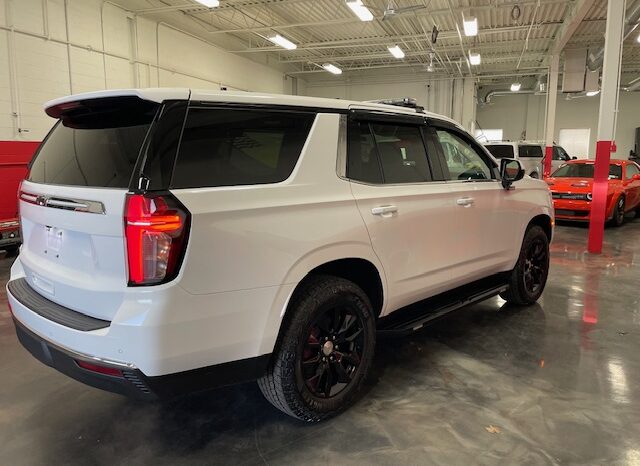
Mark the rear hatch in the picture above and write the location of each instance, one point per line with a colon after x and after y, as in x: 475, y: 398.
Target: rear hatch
x: 71, y: 205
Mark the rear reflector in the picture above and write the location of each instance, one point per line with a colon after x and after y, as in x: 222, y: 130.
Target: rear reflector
x: 104, y: 370
x: 156, y: 228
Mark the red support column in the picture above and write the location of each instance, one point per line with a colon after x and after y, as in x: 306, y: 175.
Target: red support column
x: 548, y: 156
x: 599, y: 194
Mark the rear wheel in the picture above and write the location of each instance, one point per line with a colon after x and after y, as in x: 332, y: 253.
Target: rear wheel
x: 618, y: 212
x: 529, y: 277
x: 325, y: 352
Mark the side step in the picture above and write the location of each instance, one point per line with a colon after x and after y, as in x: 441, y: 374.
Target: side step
x: 415, y: 316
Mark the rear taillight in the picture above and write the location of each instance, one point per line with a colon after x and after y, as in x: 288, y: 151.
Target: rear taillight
x: 156, y: 228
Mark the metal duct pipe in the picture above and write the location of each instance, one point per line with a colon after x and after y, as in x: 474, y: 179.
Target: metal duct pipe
x: 496, y: 93
x: 595, y: 59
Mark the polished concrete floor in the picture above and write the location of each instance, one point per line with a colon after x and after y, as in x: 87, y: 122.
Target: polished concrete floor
x: 556, y: 383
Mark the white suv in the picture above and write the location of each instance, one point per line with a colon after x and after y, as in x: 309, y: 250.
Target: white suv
x: 530, y: 154
x: 176, y: 240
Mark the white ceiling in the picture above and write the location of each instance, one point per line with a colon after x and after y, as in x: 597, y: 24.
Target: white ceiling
x: 326, y: 31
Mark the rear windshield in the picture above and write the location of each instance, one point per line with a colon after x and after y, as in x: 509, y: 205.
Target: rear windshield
x: 501, y: 151
x: 226, y: 147
x: 585, y: 170
x: 530, y: 151
x: 94, y: 144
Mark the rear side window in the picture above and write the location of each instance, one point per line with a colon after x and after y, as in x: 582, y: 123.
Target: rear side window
x: 227, y: 147
x: 96, y: 143
x: 501, y: 151
x: 530, y: 151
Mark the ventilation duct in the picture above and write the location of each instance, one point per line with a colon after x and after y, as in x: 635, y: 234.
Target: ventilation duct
x: 595, y: 58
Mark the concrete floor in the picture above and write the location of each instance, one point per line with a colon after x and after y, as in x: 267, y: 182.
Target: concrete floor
x: 556, y: 383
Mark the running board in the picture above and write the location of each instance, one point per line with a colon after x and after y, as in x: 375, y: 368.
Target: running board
x: 415, y: 316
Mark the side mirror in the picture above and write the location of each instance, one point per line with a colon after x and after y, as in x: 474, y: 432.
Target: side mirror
x: 574, y: 158
x: 510, y: 171
x: 636, y: 177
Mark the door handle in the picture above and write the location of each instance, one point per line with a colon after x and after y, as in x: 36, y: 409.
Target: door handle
x: 465, y: 201
x: 384, y: 210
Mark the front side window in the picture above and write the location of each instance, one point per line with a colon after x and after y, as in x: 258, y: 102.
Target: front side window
x: 227, y: 147
x: 563, y: 154
x: 462, y: 160
x: 530, y: 151
x: 631, y: 170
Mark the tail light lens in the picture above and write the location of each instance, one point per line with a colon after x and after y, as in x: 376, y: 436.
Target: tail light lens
x: 156, y: 228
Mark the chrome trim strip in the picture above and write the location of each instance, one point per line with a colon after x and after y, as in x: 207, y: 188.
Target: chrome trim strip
x: 77, y: 205
x: 12, y: 223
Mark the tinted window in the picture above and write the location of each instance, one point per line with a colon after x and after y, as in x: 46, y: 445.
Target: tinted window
x: 530, y: 151
x: 585, y: 170
x: 94, y: 145
x: 501, y: 151
x: 463, y: 161
x: 631, y: 170
x: 362, y: 156
x: 225, y: 147
x: 562, y: 154
x: 402, y: 154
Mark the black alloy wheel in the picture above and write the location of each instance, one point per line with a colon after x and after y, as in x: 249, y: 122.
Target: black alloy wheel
x: 535, y: 265
x: 332, y: 351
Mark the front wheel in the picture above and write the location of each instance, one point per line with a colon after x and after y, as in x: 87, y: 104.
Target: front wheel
x: 618, y: 213
x: 325, y: 352
x: 529, y: 276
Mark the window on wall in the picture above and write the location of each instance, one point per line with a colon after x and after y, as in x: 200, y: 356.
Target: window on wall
x: 486, y: 135
x: 576, y: 142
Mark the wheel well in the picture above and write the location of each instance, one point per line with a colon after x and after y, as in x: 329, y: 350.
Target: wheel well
x: 359, y: 271
x: 543, y: 221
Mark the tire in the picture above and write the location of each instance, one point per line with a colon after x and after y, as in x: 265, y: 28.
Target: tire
x: 529, y: 276
x: 534, y: 175
x: 297, y: 379
x: 618, y: 213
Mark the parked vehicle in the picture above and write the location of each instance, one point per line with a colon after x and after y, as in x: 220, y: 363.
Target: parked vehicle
x: 572, y: 186
x: 215, y: 237
x: 530, y: 153
x: 14, y: 161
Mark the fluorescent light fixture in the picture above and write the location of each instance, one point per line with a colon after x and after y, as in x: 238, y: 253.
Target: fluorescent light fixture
x: 592, y: 93
x: 638, y: 38
x: 474, y: 58
x: 470, y: 26
x: 332, y: 68
x: 282, y: 42
x: 209, y: 3
x: 360, y: 10
x: 515, y: 87
x: 396, y: 51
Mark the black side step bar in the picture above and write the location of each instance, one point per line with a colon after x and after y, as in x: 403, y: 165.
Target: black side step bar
x: 415, y: 316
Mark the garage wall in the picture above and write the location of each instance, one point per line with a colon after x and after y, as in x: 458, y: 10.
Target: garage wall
x: 51, y: 48
x: 518, y: 114
x: 454, y: 98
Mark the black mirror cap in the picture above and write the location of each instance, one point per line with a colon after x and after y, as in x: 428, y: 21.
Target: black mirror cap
x: 510, y: 171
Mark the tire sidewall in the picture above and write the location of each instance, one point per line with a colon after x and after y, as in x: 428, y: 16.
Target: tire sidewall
x: 531, y: 235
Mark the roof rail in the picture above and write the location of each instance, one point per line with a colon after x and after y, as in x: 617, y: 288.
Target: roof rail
x: 408, y: 102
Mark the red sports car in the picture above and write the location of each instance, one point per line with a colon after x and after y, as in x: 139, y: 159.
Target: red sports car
x: 571, y: 187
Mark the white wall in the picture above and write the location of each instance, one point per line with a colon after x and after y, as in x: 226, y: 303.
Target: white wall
x: 518, y: 113
x: 454, y: 98
x: 51, y: 48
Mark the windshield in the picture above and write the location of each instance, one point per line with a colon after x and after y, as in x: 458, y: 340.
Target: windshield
x: 585, y: 170
x: 500, y: 151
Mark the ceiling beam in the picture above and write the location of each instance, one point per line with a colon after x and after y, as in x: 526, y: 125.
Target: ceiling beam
x: 572, y: 20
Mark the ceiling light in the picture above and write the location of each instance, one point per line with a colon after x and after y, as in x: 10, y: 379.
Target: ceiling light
x: 470, y: 26
x: 515, y: 87
x: 592, y: 93
x: 360, y: 10
x: 638, y: 38
x: 332, y: 68
x: 282, y: 42
x: 209, y: 3
x: 396, y: 51
x: 474, y: 58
